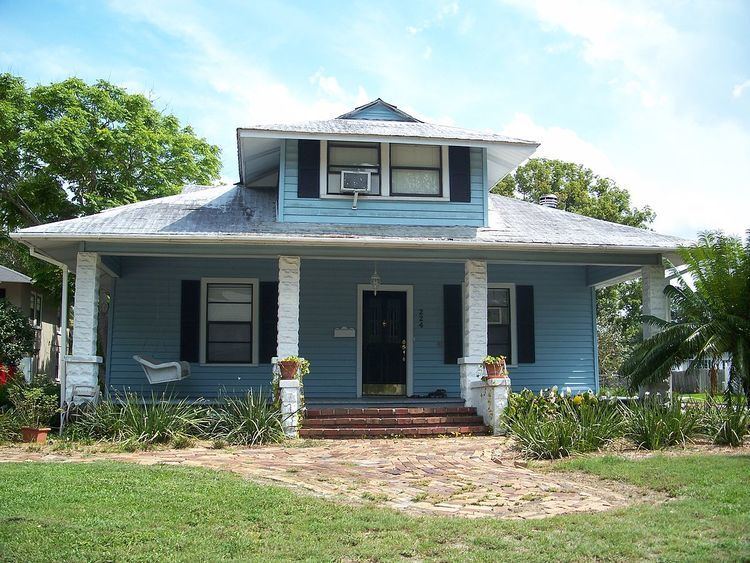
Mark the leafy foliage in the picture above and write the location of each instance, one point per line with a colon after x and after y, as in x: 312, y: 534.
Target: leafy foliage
x: 248, y: 420
x: 132, y: 419
x: 711, y: 315
x: 554, y: 425
x: 727, y: 422
x: 70, y: 148
x: 653, y: 423
x: 16, y: 334
x: 33, y: 407
x: 580, y: 190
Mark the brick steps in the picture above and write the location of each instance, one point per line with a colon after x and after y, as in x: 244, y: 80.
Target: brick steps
x: 359, y: 422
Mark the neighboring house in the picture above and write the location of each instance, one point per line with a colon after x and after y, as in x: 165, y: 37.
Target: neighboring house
x: 44, y: 314
x: 397, y: 291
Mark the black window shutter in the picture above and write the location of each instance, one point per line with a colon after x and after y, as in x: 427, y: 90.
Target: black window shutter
x: 269, y: 318
x: 525, y: 324
x: 453, y: 326
x: 460, y: 176
x: 308, y: 169
x: 190, y: 315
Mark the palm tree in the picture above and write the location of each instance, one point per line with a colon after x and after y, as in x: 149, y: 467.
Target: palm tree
x: 711, y: 315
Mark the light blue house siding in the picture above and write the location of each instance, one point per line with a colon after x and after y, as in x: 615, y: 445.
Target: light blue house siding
x: 381, y: 210
x: 146, y: 309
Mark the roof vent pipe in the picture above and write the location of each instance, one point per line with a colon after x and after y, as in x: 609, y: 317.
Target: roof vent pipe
x: 549, y: 200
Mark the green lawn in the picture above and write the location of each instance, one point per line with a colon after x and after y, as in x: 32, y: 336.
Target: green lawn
x: 110, y: 511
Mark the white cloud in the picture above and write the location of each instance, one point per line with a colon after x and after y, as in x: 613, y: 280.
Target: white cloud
x: 685, y: 172
x: 247, y: 93
x: 631, y: 34
x: 445, y: 10
x: 739, y: 89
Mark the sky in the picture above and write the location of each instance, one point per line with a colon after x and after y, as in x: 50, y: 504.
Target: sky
x: 653, y: 95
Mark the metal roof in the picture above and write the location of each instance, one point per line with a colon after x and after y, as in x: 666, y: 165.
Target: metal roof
x: 235, y: 212
x: 11, y: 276
x: 368, y: 128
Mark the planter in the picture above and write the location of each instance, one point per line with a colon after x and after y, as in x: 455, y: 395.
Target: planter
x: 38, y: 435
x: 289, y: 369
x: 494, y: 370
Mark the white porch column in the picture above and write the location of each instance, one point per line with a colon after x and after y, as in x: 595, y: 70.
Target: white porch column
x: 288, y: 340
x: 655, y: 303
x: 475, y: 327
x: 288, y: 327
x: 82, y: 366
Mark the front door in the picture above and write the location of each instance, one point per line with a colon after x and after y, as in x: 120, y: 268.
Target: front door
x: 384, y: 352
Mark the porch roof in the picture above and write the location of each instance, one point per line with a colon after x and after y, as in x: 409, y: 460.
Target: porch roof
x: 233, y: 213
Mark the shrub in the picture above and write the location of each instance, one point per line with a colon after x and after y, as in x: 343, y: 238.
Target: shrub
x: 131, y: 419
x: 10, y: 430
x: 33, y: 407
x: 16, y: 334
x: 726, y: 423
x: 552, y: 425
x: 655, y: 423
x: 248, y: 420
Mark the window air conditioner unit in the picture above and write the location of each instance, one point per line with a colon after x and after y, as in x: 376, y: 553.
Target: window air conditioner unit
x: 355, y: 182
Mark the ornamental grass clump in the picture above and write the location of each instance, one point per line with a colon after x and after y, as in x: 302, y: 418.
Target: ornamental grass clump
x: 726, y: 423
x: 132, y: 420
x: 553, y: 425
x: 249, y: 420
x: 655, y: 422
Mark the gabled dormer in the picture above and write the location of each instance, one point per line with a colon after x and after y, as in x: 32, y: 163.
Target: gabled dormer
x: 378, y: 165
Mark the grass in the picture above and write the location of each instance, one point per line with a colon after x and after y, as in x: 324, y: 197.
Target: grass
x: 110, y: 511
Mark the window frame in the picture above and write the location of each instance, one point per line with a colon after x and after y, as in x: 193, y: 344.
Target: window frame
x: 391, y: 168
x: 513, y: 320
x: 36, y: 308
x: 255, y: 318
x: 371, y: 145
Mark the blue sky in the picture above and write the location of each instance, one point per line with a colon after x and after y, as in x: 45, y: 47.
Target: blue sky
x: 656, y: 96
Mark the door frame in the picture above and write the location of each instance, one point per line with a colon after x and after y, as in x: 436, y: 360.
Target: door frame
x: 409, y: 290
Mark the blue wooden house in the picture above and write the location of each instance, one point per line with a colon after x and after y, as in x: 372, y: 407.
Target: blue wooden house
x: 369, y: 244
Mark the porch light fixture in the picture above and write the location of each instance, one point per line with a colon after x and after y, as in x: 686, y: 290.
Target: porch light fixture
x: 375, y: 280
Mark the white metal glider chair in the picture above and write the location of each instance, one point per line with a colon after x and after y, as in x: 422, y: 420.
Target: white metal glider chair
x: 163, y: 372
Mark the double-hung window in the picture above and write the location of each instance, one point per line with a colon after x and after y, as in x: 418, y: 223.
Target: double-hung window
x: 416, y: 170
x: 358, y: 157
x: 500, y: 322
x: 229, y: 321
x: 35, y: 309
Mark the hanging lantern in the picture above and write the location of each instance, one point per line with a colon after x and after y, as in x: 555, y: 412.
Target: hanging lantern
x: 375, y: 281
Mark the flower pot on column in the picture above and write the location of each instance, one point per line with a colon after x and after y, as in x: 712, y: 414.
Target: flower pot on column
x: 494, y: 367
x: 293, y: 367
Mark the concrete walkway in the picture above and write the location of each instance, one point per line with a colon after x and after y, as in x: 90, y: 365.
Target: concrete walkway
x: 469, y: 477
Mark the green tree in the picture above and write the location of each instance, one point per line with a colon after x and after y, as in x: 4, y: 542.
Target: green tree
x: 580, y: 190
x: 711, y: 315
x: 71, y: 148
x: 16, y: 334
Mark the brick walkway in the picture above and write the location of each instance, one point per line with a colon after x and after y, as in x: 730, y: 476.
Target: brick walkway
x: 468, y: 477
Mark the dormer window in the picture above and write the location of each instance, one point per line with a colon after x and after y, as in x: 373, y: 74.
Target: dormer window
x: 416, y: 170
x: 357, y: 157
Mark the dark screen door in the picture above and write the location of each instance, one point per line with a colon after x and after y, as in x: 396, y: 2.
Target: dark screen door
x: 384, y: 343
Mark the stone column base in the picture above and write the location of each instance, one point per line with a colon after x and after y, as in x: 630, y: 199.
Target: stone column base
x: 490, y: 400
x: 290, y: 391
x: 470, y: 370
x: 82, y: 379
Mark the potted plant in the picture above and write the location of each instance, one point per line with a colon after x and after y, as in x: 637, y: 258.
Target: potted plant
x: 293, y: 367
x: 33, y: 409
x: 494, y: 367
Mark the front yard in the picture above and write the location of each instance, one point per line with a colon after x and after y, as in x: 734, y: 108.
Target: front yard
x: 116, y: 511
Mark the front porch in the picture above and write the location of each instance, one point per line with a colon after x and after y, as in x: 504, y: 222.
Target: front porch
x: 416, y: 341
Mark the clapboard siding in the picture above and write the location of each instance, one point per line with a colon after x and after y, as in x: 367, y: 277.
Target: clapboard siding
x: 146, y: 309
x: 147, y: 321
x: 383, y: 211
x: 563, y: 326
